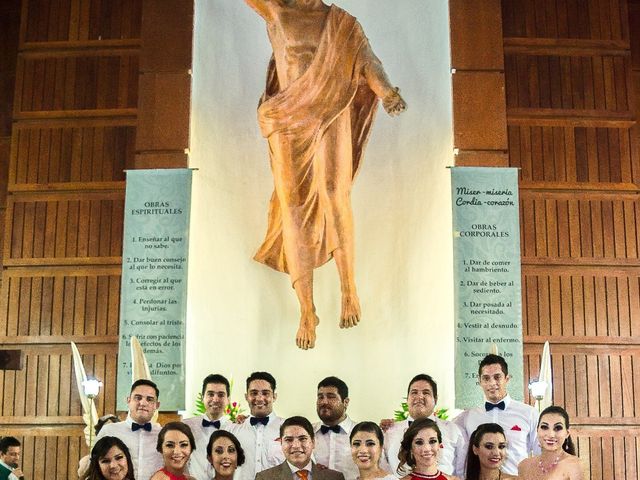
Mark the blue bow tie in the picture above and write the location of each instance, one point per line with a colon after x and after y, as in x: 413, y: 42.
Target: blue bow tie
x: 207, y: 423
x: 324, y: 429
x: 490, y: 406
x: 136, y: 426
x: 256, y: 420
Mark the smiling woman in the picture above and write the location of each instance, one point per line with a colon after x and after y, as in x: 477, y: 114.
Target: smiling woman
x: 175, y: 443
x: 558, y: 458
x: 419, y: 450
x: 487, y: 453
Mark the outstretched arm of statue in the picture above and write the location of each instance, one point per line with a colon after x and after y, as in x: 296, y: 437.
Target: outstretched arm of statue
x: 265, y: 8
x: 378, y: 81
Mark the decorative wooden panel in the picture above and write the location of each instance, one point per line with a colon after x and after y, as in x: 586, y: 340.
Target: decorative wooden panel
x: 578, y: 301
x: 573, y: 154
x: 568, y: 82
x: 596, y: 228
x: 592, y: 19
x: 50, y: 371
x: 92, y: 152
x: 81, y: 20
x: 63, y: 226
x: 104, y: 80
x: 61, y: 302
x: 72, y: 138
x: 572, y: 109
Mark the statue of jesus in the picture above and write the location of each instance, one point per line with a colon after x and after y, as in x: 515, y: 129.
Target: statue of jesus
x: 323, y: 86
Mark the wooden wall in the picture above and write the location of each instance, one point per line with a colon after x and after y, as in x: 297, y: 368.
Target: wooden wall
x: 89, y: 88
x: 571, y: 79
x: 99, y: 87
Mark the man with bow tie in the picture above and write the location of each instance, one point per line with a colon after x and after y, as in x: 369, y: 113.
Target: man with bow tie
x: 137, y: 432
x: 215, y: 396
x: 332, y: 446
x: 259, y: 435
x: 422, y: 395
x: 518, y: 419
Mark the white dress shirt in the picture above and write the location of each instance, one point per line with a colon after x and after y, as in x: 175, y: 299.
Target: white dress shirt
x: 141, y: 444
x: 519, y: 422
x: 261, y: 445
x: 333, y: 450
x: 199, y: 466
x: 452, y: 455
x: 11, y: 475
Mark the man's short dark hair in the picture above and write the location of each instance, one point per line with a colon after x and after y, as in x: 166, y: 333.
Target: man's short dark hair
x: 297, y: 421
x: 342, y: 388
x: 6, y: 442
x: 492, y: 359
x: 425, y: 378
x: 148, y: 383
x: 266, y: 376
x: 216, y: 378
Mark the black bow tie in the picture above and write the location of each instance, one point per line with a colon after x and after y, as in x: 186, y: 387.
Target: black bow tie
x: 136, y: 426
x: 324, y: 429
x: 490, y: 406
x: 207, y: 423
x: 257, y: 420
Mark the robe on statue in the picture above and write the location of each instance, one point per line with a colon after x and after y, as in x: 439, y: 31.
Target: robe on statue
x: 317, y: 129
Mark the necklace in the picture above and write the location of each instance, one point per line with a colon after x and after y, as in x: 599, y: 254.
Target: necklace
x: 546, y: 469
x: 426, y: 475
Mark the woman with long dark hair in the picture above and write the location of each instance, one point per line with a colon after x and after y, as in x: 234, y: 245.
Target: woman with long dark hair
x: 487, y: 452
x: 175, y: 443
x: 110, y: 460
x: 420, y: 449
x: 225, y: 454
x: 558, y: 458
x: 366, y: 449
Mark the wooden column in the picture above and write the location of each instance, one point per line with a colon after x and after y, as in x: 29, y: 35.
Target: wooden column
x: 479, y: 112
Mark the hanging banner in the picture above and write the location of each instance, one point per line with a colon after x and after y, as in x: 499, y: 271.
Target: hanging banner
x: 487, y: 293
x: 153, y: 296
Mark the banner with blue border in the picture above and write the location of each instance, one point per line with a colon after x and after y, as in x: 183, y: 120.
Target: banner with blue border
x: 488, y: 301
x: 154, y: 280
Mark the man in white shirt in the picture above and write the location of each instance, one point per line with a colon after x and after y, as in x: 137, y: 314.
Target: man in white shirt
x: 422, y: 396
x: 297, y: 446
x: 518, y: 419
x: 215, y: 396
x: 137, y: 432
x: 10, y: 452
x: 259, y: 435
x: 332, y: 446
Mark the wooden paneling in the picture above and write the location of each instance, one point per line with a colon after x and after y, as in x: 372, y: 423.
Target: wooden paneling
x: 81, y: 20
x: 593, y: 19
x: 60, y: 302
x: 106, y: 80
x: 479, y: 109
x: 584, y: 227
x: 86, y: 152
x: 62, y: 225
x: 72, y: 138
x: 75, y: 126
x: 572, y: 109
x: 573, y: 154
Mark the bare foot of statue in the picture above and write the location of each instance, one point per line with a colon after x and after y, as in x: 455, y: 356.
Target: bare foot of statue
x: 306, y: 336
x: 350, y: 311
